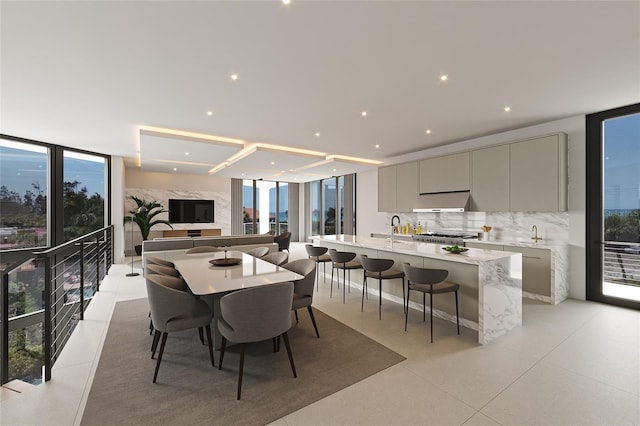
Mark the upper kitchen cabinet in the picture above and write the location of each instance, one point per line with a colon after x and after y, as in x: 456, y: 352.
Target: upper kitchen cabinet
x: 387, y: 189
x: 407, y: 186
x: 490, y: 179
x: 538, y: 174
x: 444, y: 174
x: 398, y: 187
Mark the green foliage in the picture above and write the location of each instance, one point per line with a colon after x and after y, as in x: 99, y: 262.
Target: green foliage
x: 624, y: 227
x: 146, y: 220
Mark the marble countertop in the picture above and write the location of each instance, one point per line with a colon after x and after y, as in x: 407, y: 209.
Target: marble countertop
x: 434, y: 251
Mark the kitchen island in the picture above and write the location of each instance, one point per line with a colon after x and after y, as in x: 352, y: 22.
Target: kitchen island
x: 490, y: 281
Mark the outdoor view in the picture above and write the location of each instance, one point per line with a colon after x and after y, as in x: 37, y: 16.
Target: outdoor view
x: 621, y: 200
x: 267, y: 217
x: 24, y: 213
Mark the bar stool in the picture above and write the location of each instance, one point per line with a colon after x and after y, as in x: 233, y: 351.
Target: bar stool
x: 430, y: 281
x: 343, y: 260
x: 319, y: 255
x: 379, y: 269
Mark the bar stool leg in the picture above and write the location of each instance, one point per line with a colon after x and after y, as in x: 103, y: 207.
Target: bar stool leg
x: 457, y: 315
x: 344, y: 283
x: 431, y: 313
x: 364, y: 286
x: 380, y: 298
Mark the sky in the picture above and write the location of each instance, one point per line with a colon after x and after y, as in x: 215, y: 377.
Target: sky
x: 20, y: 169
x: 622, y: 162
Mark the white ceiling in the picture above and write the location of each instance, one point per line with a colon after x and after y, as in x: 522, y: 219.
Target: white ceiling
x: 90, y: 74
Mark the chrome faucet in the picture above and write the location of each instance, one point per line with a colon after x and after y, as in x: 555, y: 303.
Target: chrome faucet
x: 535, y: 237
x: 394, y: 217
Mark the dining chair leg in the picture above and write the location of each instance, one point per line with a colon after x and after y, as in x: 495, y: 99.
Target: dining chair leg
x: 380, y: 299
x: 324, y: 272
x: 406, y: 311
x: 313, y: 320
x: 344, y: 284
x: 154, y: 345
x: 210, y: 342
x: 162, y: 343
x: 242, y: 347
x: 331, y: 290
x: 286, y: 343
x: 457, y: 315
x: 223, y: 346
x: 424, y: 309
x: 431, y: 313
x: 405, y: 306
x: 317, y: 275
x: 364, y: 286
x: 201, y: 334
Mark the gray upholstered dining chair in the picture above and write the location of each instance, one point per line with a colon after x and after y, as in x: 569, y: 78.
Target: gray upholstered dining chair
x: 379, y: 269
x: 431, y: 281
x: 157, y: 261
x: 203, y: 249
x: 343, y: 260
x: 258, y: 251
x: 320, y: 256
x: 303, y: 288
x: 175, y: 310
x: 253, y: 315
x: 283, y: 240
x: 161, y: 270
x: 278, y: 258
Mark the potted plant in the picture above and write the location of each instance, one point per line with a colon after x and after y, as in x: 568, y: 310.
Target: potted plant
x: 144, y: 216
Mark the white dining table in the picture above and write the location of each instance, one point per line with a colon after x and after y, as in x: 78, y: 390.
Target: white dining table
x: 205, y: 279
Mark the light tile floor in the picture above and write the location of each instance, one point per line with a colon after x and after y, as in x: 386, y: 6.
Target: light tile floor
x: 575, y: 363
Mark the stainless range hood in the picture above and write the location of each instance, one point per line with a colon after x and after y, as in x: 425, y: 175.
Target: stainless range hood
x: 456, y: 201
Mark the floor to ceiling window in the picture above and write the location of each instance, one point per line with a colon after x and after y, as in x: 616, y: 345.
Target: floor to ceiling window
x: 613, y: 206
x: 266, y: 207
x: 84, y: 188
x: 24, y: 186
x: 332, y: 205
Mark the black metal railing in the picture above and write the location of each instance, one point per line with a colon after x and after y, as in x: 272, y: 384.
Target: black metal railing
x: 43, y: 298
x: 622, y: 263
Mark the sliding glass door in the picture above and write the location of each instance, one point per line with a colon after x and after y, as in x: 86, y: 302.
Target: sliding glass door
x: 613, y: 206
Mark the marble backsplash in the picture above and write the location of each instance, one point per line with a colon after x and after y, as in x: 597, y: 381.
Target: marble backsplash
x: 511, y: 226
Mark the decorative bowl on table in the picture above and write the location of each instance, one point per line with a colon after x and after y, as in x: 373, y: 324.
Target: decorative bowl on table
x: 455, y: 249
x: 227, y: 261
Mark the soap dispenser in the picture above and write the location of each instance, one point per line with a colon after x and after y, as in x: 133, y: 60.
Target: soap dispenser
x: 419, y: 229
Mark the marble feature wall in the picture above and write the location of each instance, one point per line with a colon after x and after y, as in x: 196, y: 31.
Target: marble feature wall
x: 222, y: 210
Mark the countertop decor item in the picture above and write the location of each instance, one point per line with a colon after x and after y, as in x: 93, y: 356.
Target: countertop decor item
x: 455, y: 249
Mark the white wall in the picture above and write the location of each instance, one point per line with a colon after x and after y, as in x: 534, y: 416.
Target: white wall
x: 117, y: 207
x: 370, y: 221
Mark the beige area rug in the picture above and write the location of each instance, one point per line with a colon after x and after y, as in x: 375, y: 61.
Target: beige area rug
x: 190, y: 391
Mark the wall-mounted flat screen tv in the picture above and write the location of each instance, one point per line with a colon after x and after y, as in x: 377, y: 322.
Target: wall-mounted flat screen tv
x: 191, y: 211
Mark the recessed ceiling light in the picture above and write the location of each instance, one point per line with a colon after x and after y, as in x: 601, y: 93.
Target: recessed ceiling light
x: 377, y: 146
x: 335, y: 170
x: 428, y: 131
x: 175, y: 169
x: 241, y: 174
x: 209, y: 112
x: 273, y: 163
x: 363, y: 113
x: 295, y: 178
x: 443, y: 77
x: 287, y: 2
x: 507, y: 109
x: 317, y: 134
x: 234, y: 77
